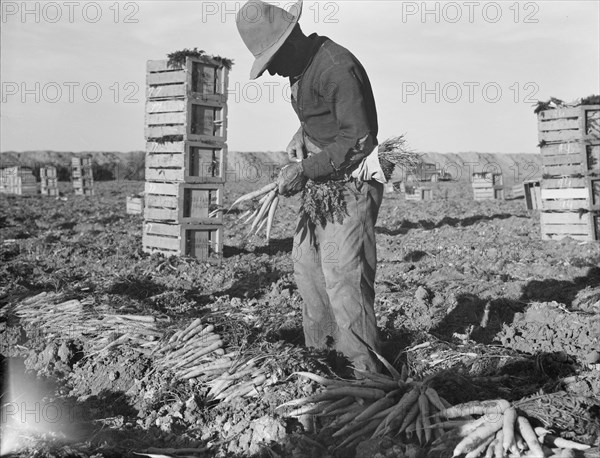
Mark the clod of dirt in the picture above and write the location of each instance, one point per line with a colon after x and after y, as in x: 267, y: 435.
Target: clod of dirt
x: 381, y: 447
x: 593, y: 357
x: 549, y: 327
x: 588, y: 300
x: 422, y: 294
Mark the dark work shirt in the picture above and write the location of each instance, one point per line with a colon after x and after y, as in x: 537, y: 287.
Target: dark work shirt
x: 336, y: 108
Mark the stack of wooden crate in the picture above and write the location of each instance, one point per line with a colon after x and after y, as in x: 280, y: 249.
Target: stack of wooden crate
x: 570, y: 188
x: 49, y: 181
x: 186, y: 133
x: 82, y: 176
x: 18, y: 180
x: 487, y: 186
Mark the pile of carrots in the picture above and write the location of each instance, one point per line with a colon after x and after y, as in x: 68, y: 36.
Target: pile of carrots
x: 379, y: 405
x: 264, y: 211
x: 101, y: 331
x: 498, y: 431
x: 196, y: 354
x: 374, y: 406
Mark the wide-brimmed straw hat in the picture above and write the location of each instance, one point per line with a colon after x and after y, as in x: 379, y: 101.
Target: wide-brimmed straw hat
x: 264, y: 27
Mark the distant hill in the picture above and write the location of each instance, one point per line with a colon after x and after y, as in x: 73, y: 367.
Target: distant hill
x: 130, y: 165
x: 515, y: 167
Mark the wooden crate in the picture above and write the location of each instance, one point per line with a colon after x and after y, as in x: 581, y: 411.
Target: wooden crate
x: 183, y: 203
x: 83, y: 183
x: 190, y: 102
x: 200, y: 241
x: 79, y: 162
x: 134, y: 205
x: 49, y: 192
x: 486, y: 179
x: 82, y: 172
x: 84, y: 191
x: 571, y: 193
x: 532, y: 192
x: 569, y: 124
x: 487, y: 186
x: 583, y: 226
x: 191, y: 119
x: 49, y: 182
x: 190, y: 162
x: 571, y: 158
x: 417, y: 194
x: 49, y: 172
x: 518, y: 191
x: 48, y: 186
x: 201, y: 78
x: 18, y: 180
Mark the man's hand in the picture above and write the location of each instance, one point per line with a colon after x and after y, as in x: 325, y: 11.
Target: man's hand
x: 291, y: 179
x: 295, y: 150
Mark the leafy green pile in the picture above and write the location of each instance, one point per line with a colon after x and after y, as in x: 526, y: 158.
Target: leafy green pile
x: 177, y: 58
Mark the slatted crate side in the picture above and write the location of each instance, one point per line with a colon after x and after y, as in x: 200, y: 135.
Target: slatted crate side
x: 83, y: 183
x: 569, y: 124
x: 196, y: 240
x: 203, y: 78
x: 571, y: 158
x: 518, y: 191
x: 484, y: 193
x: 199, y: 121
x: 571, y: 193
x: 84, y: 191
x: 134, y: 205
x: 532, y: 193
x: 489, y: 178
x: 81, y: 161
x: 577, y: 225
x: 48, y: 171
x: 82, y: 172
x: 419, y: 194
x: 190, y: 162
x: 49, y: 182
x: 182, y: 203
x: 50, y: 191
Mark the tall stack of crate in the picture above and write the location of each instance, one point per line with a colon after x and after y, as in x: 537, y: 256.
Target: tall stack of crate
x: 82, y: 176
x: 49, y: 181
x: 570, y: 187
x: 186, y: 133
x: 18, y: 180
x: 487, y: 186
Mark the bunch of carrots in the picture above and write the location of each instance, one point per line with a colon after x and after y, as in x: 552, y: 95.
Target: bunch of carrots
x: 374, y: 406
x: 498, y: 431
x: 264, y: 212
x: 196, y: 353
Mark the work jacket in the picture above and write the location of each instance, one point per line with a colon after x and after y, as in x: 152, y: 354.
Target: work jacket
x: 336, y: 108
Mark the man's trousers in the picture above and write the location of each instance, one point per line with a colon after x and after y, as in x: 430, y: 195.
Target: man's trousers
x: 335, y: 268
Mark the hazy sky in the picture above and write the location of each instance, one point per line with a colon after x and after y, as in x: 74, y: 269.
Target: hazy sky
x: 452, y: 76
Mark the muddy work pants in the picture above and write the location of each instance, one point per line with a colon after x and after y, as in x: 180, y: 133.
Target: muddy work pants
x: 334, y: 267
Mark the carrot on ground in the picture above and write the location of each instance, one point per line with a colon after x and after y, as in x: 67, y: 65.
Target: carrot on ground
x: 529, y: 436
x: 508, y: 430
x: 475, y: 438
